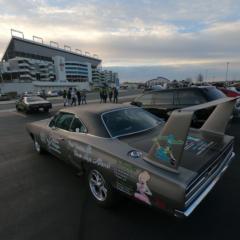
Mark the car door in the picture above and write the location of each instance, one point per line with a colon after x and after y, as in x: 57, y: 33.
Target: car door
x: 75, y: 147
x: 59, y: 130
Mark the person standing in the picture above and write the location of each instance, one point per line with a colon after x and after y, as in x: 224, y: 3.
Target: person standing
x: 79, y: 97
x: 110, y: 94
x: 84, y: 97
x: 73, y: 96
x: 101, y: 95
x: 44, y: 94
x: 64, y: 98
x: 115, y: 95
x: 105, y: 95
x: 69, y: 96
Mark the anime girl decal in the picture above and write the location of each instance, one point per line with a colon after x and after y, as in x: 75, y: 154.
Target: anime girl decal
x: 165, y: 153
x: 142, y: 188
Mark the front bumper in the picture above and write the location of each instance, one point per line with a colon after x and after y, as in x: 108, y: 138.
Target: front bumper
x: 223, y: 167
x: 39, y: 106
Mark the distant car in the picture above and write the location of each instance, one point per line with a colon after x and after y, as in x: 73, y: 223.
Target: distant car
x: 230, y: 92
x: 53, y: 93
x: 28, y: 93
x: 33, y: 103
x: 4, y: 97
x: 161, y: 103
x: 235, y: 89
x: 155, y: 87
x: 168, y: 166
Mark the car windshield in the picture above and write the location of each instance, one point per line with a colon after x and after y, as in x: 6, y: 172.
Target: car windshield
x: 34, y: 99
x: 128, y: 121
x: 213, y: 93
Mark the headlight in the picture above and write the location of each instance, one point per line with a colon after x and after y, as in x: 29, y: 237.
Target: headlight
x: 135, y: 154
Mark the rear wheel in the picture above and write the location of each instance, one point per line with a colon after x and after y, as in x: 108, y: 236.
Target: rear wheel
x: 102, y: 192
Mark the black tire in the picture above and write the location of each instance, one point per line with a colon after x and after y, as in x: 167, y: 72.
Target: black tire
x: 27, y: 111
x: 104, y: 195
x: 37, y: 146
x: 17, y: 108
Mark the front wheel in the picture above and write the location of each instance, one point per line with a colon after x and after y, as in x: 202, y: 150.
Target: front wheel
x: 37, y: 146
x: 102, y: 192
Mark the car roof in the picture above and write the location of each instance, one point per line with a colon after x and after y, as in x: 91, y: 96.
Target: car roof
x: 96, y: 108
x: 183, y: 88
x: 90, y: 115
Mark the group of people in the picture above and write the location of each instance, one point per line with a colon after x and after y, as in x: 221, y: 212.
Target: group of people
x: 74, y: 96
x: 108, y: 93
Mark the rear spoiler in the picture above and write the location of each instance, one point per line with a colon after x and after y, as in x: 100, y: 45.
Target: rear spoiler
x: 168, y: 147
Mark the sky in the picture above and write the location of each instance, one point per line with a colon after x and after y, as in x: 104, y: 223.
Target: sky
x: 140, y: 39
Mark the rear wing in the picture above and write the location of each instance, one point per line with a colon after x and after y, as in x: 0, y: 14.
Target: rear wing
x: 168, y: 147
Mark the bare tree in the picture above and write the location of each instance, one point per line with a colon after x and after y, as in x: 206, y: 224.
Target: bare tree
x: 200, y: 78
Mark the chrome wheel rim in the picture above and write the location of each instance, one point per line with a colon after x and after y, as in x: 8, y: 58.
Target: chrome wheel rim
x: 37, y: 146
x: 97, y: 185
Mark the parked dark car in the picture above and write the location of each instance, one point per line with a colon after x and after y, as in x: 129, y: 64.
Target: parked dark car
x: 162, y: 102
x: 32, y: 103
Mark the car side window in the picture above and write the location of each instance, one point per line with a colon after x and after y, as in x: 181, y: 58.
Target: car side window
x: 163, y: 98
x: 190, y: 98
x: 53, y: 121
x: 64, y: 121
x: 145, y: 99
x: 77, y: 126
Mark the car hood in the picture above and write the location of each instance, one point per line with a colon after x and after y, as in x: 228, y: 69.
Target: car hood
x: 201, y: 149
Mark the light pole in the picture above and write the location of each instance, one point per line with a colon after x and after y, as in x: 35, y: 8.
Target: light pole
x: 227, y: 72
x: 206, y: 75
x: 1, y: 65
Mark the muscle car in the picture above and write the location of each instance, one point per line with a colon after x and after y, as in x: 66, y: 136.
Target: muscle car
x: 127, y: 149
x: 32, y: 103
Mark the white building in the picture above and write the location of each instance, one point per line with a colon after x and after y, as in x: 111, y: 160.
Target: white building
x: 27, y: 65
x: 105, y: 78
x: 157, y: 81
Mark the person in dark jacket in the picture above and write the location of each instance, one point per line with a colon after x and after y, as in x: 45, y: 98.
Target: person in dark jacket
x: 69, y: 95
x: 79, y: 97
x: 104, y: 95
x: 84, y: 97
x: 64, y: 98
x: 115, y: 95
x: 101, y: 95
x: 110, y: 94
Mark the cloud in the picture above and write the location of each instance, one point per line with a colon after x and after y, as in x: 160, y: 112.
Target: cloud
x: 132, y: 33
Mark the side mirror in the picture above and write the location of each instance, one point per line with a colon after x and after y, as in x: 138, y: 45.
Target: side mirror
x: 138, y: 104
x: 53, y: 128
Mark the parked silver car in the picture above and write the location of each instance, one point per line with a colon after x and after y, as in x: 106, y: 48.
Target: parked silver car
x: 165, y: 165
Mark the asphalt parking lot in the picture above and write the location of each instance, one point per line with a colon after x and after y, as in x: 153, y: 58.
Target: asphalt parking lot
x: 43, y: 198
